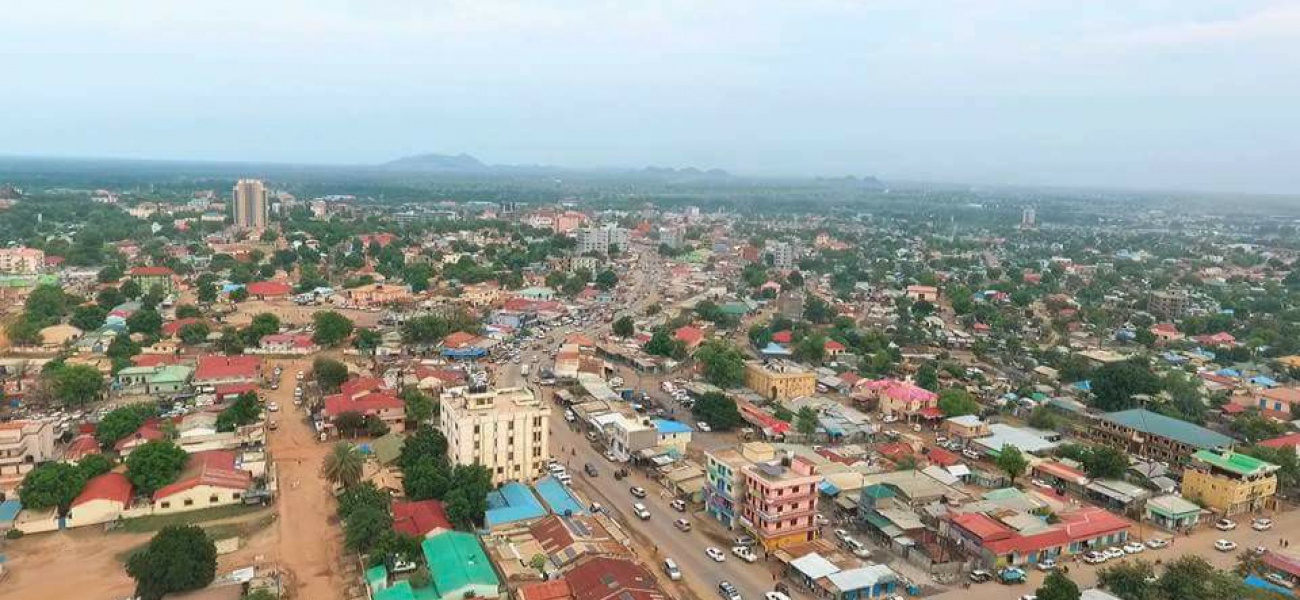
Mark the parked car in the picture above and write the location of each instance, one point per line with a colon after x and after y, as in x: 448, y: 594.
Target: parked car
x: 728, y: 591
x: 1047, y: 564
x: 590, y: 470
x: 678, y: 505
x: 703, y: 426
x: 715, y: 554
x: 743, y: 540
x: 273, y: 407
x: 745, y: 553
x: 670, y: 568
x: 1225, y: 545
x: 980, y: 576
x: 841, y: 535
x: 682, y: 524
x: 775, y: 596
x: 1113, y: 552
x: 1134, y: 547
x: 1157, y: 543
x: 641, y: 511
x: 1094, y: 557
x: 1261, y: 524
x: 1012, y: 575
x: 1225, y: 524
x: 637, y: 491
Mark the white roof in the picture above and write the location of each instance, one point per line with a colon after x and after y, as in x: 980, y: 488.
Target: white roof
x: 1023, y: 439
x: 940, y: 475
x: 862, y: 577
x: 814, y: 566
x: 966, y: 420
x: 959, y: 470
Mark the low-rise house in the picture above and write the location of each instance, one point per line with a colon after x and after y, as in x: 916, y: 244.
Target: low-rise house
x: 105, y: 498
x: 611, y: 578
x: 150, y: 431
x: 213, y: 478
x: 368, y: 397
x: 903, y: 399
x: 459, y: 567
x: 217, y: 370
x: 966, y: 427
x: 673, y: 435
x: 154, y: 380
x: 420, y: 518
x: 1172, y: 512
x: 287, y: 343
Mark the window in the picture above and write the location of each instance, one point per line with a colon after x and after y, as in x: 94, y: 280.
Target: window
x: 235, y: 496
x: 213, y: 499
x: 189, y: 502
x: 165, y: 505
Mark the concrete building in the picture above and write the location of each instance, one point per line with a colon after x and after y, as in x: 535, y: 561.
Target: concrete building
x: 1145, y: 434
x: 780, y: 501
x: 249, y: 204
x: 599, y: 239
x: 21, y: 261
x: 783, y: 254
x: 23, y: 445
x: 780, y: 379
x: 1169, y: 304
x: 213, y: 478
x: 503, y: 429
x: 1230, y: 483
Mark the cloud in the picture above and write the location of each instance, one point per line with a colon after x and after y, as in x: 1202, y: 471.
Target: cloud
x: 1278, y: 22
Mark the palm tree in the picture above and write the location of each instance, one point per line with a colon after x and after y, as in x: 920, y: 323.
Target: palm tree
x: 343, y: 465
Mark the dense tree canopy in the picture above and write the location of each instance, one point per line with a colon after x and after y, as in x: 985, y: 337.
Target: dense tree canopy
x: 179, y: 558
x: 718, y: 410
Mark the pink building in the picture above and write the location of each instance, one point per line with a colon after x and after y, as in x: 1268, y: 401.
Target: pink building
x: 903, y: 399
x: 780, y: 502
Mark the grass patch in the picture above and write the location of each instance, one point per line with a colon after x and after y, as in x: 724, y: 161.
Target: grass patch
x: 197, y: 517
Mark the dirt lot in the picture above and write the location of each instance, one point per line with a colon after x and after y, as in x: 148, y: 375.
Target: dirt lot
x: 292, y: 314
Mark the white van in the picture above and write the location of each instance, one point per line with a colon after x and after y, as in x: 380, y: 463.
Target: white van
x: 670, y: 567
x: 641, y: 511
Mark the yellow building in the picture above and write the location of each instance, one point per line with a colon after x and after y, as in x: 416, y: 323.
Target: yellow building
x: 780, y: 379
x: 1230, y: 483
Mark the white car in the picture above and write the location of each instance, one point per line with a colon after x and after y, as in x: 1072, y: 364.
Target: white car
x: 775, y: 596
x: 273, y: 407
x: 745, y: 553
x: 1093, y: 557
x: 715, y: 554
x: 1113, y: 552
x: 1225, y: 545
x: 1157, y: 543
x: 1047, y: 564
x: 703, y: 426
x: 1225, y: 524
x: 1261, y: 524
x: 1134, y: 547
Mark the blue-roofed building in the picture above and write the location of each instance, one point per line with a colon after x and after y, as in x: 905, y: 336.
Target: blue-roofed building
x: 775, y: 349
x: 558, y: 498
x: 672, y: 435
x: 1140, y: 432
x: 511, y: 503
x: 1263, y: 381
x: 8, y: 512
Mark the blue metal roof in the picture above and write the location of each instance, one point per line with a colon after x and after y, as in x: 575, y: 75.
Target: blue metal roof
x: 9, y: 510
x: 557, y: 497
x: 512, y: 502
x: 667, y: 427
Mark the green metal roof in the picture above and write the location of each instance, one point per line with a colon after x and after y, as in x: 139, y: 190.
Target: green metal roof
x: 399, y: 591
x: 1235, y: 462
x: 457, y: 562
x: 388, y: 447
x: 172, y: 373
x: 878, y: 491
x: 1152, y: 423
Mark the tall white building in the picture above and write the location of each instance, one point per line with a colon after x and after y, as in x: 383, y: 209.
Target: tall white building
x: 249, y: 204
x: 599, y: 239
x: 783, y: 254
x: 503, y: 429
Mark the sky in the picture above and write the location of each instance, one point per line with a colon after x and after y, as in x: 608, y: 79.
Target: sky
x: 1166, y: 94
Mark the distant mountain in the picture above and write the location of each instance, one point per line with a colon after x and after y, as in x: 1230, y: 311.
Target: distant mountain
x: 437, y: 162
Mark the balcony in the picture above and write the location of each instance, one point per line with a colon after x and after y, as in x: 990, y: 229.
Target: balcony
x: 768, y: 515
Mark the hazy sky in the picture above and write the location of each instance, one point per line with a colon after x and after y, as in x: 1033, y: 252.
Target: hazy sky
x: 1190, y: 94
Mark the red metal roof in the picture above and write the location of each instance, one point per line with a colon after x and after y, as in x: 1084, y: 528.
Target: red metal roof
x: 557, y: 589
x: 171, y: 328
x: 82, y: 446
x: 269, y: 288
x: 152, y: 271
x: 370, y: 403
x: 147, y: 432
x: 114, y: 487
x: 1283, y: 562
x: 942, y: 458
x: 459, y: 339
x: 603, y: 578
x: 1092, y: 522
x: 689, y: 335
x: 227, y: 367
x: 982, y: 526
x: 420, y: 518
x: 783, y: 337
x: 1025, y: 544
x: 1286, y: 441
x: 215, y: 468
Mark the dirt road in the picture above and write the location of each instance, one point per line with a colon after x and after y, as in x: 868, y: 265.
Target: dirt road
x: 309, y: 543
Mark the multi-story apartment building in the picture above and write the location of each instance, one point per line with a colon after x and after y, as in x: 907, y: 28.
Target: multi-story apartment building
x: 783, y: 254
x: 1145, y: 434
x: 779, y: 379
x: 1169, y: 304
x: 249, y: 204
x: 503, y: 429
x: 599, y: 239
x: 1230, y: 483
x: 150, y: 277
x: 780, y: 501
x: 725, y: 487
x: 21, y: 260
x: 23, y: 445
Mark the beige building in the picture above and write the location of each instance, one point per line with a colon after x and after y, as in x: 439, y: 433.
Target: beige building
x: 249, y: 204
x: 1230, y: 483
x: 21, y: 261
x: 503, y: 429
x: 23, y: 445
x: 780, y: 379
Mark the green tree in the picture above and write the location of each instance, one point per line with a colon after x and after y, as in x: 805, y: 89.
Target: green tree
x: 1105, y: 462
x: 817, y: 310
x: 955, y: 402
x: 1058, y: 587
x: 47, y: 304
x: 1115, y: 384
x: 206, y: 292
x: 329, y: 373
x: 811, y: 348
x: 121, y: 422
x: 343, y: 465
x: 661, y: 343
x: 722, y: 363
x: 130, y: 289
x: 262, y: 325
x: 146, y: 321
x: 1129, y: 580
x: 606, y: 280
x: 179, y: 558
x: 624, y: 327
x: 367, y: 340
x: 331, y: 328
x: 365, y: 527
x: 88, y: 317
x: 51, y: 485
x: 245, y: 410
x: 806, y: 420
x: 1254, y: 427
x: 467, y: 500
x: 193, y: 334
x: 238, y: 294
x: 1011, y: 462
x: 188, y: 311
x: 350, y: 423
x: 426, y: 477
x: 358, y: 496
x: 75, y: 385
x: 94, y: 465
x: 718, y: 410
x: 109, y: 298
x: 427, y: 443
x: 928, y: 377
x: 154, y: 464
